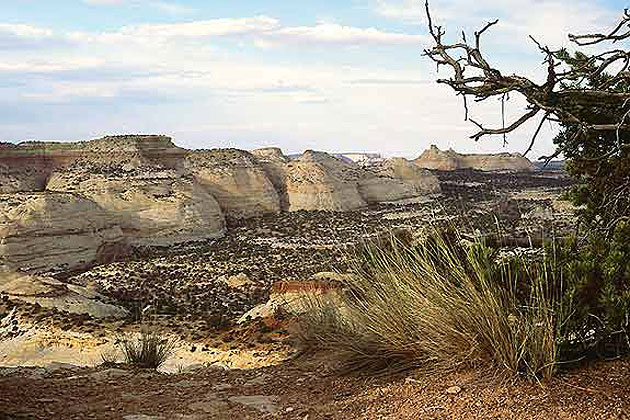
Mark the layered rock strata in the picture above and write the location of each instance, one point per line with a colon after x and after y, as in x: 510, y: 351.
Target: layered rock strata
x: 236, y: 179
x: 449, y: 160
x: 84, y: 203
x: 394, y: 180
x: 318, y: 181
x: 45, y: 230
x: 70, y: 205
x: 50, y: 293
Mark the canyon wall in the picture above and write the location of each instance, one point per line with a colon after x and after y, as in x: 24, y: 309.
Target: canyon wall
x: 69, y: 205
x: 449, y: 160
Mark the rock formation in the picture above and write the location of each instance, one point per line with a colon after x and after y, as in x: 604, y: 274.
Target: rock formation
x: 85, y: 203
x: 70, y: 205
x: 236, y: 179
x: 394, y: 180
x: 434, y: 158
x: 46, y: 230
x: 50, y: 293
x: 318, y: 181
x: 273, y: 162
x: 142, y: 183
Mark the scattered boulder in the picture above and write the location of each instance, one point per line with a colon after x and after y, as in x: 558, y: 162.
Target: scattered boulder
x: 292, y: 298
x: 262, y: 403
x: 238, y: 281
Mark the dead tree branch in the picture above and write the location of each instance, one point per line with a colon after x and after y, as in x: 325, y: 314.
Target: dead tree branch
x: 567, y: 96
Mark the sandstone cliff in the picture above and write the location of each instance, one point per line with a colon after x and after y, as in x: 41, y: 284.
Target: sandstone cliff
x: 142, y: 183
x: 434, y: 158
x: 274, y: 162
x: 236, y: 179
x: 396, y: 179
x: 70, y: 205
x: 83, y: 203
x: 46, y: 230
x: 318, y: 181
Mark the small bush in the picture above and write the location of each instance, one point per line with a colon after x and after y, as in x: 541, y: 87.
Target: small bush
x: 148, y: 350
x: 596, y: 295
x: 439, y: 305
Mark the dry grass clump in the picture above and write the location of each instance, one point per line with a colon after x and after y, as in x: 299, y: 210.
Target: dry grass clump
x: 438, y: 305
x: 148, y: 350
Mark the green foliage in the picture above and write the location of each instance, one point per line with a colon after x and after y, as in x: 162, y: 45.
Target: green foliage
x: 595, y: 289
x: 599, y: 161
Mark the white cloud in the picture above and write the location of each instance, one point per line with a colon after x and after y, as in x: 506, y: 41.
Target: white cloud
x: 163, y: 6
x: 202, y: 29
x: 24, y: 31
x: 174, y: 78
x: 548, y: 20
x: 331, y: 33
x: 263, y: 31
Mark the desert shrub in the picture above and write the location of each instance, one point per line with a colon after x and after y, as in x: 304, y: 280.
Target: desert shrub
x: 148, y: 350
x: 439, y: 305
x: 596, y: 295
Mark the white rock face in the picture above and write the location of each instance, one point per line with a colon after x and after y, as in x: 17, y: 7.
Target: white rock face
x: 396, y: 179
x: 158, y: 209
x: 434, y: 158
x: 237, y: 181
x: 44, y: 230
x: 274, y: 162
x: 83, y: 197
x: 50, y: 293
x: 318, y: 181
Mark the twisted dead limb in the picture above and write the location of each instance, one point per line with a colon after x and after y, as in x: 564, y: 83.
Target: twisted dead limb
x: 574, y: 88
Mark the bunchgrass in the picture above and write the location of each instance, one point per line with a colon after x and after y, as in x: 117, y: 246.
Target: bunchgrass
x: 148, y: 349
x: 439, y: 305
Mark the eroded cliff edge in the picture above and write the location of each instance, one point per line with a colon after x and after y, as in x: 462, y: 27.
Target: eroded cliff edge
x: 71, y: 205
x: 449, y: 160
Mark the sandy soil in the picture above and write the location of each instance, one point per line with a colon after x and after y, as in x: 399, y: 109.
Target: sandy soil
x: 308, y: 391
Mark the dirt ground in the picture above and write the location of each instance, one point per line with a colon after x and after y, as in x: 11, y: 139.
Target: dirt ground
x: 306, y: 390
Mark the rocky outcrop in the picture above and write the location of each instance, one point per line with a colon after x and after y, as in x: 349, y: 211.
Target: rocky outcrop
x: 394, y: 180
x: 434, y: 158
x: 50, y: 293
x: 318, y: 181
x: 159, y: 209
x: 70, y: 205
x: 144, y: 186
x: 22, y: 168
x: 274, y: 162
x: 236, y: 179
x: 87, y: 202
x: 45, y: 230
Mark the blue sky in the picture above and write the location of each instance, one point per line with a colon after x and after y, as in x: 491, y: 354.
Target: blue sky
x: 328, y: 75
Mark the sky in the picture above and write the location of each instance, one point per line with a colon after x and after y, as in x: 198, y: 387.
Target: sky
x: 338, y: 76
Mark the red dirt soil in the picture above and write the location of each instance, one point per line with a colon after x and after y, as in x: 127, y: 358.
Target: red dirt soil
x: 306, y: 391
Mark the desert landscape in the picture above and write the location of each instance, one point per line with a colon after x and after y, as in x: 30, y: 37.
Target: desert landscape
x: 370, y: 210
x: 208, y: 247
